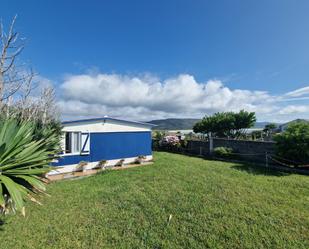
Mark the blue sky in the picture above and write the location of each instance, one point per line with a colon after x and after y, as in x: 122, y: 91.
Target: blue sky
x: 246, y: 45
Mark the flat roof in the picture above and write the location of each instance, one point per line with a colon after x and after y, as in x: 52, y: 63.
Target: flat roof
x: 106, y: 118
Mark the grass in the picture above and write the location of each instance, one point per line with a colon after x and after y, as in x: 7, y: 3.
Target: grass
x: 178, y: 202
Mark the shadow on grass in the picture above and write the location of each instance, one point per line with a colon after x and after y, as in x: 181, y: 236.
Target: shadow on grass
x: 2, y: 223
x: 259, y: 170
x: 249, y: 167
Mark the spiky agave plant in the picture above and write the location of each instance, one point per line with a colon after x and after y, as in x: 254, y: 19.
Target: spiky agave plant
x: 23, y: 163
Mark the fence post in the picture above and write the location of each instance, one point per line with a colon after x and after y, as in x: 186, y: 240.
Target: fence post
x: 211, y: 143
x: 266, y: 159
x: 201, y: 150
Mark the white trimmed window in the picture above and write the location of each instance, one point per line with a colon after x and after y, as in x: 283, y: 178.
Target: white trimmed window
x: 72, y: 142
x: 77, y: 143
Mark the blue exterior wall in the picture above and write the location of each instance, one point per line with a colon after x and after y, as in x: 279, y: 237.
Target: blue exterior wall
x: 112, y: 145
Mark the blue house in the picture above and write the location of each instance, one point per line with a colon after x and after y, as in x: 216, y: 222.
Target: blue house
x: 110, y: 139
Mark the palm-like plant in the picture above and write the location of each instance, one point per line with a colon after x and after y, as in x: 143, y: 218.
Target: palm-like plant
x: 23, y: 163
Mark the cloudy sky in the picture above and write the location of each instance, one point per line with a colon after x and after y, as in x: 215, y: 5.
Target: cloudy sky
x: 148, y: 97
x: 147, y: 60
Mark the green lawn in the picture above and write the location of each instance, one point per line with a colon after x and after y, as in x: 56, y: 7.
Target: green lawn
x: 212, y: 205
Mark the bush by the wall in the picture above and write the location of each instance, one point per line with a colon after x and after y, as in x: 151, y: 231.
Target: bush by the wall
x: 224, y: 152
x: 293, y: 143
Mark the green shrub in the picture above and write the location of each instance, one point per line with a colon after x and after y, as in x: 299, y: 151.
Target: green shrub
x: 53, y: 130
x: 225, y: 152
x: 40, y: 130
x: 293, y: 143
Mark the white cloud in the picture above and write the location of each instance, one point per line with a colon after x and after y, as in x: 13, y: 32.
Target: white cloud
x: 294, y: 109
x: 146, y: 97
x: 299, y: 92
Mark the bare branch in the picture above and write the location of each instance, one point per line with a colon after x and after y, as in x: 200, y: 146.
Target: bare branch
x: 11, y: 59
x: 17, y: 98
x: 12, y: 25
x: 11, y: 47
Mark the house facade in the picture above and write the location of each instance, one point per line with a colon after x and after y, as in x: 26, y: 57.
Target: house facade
x: 108, y: 139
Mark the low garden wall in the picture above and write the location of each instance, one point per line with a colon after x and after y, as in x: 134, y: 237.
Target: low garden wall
x: 198, y: 147
x: 258, y: 152
x: 244, y: 149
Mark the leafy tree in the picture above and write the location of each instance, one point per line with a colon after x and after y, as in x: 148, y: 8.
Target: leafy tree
x: 223, y: 124
x: 23, y: 163
x: 218, y: 124
x: 293, y: 143
x: 200, y: 126
x: 226, y: 124
x: 270, y: 127
x: 243, y: 121
x: 269, y: 130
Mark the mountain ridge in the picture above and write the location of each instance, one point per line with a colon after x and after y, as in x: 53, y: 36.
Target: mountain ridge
x: 185, y: 123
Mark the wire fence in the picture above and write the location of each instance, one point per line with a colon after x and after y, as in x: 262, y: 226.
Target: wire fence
x: 266, y: 160
x: 286, y: 162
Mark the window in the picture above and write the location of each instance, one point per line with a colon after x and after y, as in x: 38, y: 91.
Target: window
x: 72, y: 142
x: 77, y: 143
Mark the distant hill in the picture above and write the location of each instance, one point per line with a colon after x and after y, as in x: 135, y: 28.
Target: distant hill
x: 174, y: 123
x: 261, y: 124
x: 185, y: 124
x: 282, y: 127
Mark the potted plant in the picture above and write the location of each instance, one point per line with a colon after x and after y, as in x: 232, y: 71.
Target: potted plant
x: 82, y: 166
x: 140, y: 159
x: 101, y: 164
x: 120, y: 163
